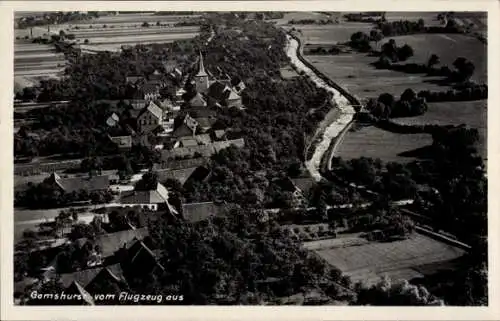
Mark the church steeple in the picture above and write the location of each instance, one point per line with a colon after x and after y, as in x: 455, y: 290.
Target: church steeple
x: 201, y: 78
x: 201, y: 68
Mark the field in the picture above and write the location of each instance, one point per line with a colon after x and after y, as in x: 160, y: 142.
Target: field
x: 472, y: 113
x: 353, y: 72
x: 448, y: 47
x: 33, y: 62
x: 405, y: 259
x: 378, y: 143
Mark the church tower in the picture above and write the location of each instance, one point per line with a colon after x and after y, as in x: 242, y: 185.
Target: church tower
x: 201, y: 78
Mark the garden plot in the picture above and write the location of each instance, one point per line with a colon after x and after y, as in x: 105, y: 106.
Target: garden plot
x: 368, y: 261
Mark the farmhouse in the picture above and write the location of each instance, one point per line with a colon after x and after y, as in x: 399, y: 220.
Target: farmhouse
x: 187, y: 128
x: 149, y: 118
x: 109, y: 243
x: 74, y: 184
x: 155, y: 200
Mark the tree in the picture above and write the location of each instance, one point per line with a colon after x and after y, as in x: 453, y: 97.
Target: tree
x: 387, y: 99
x: 433, y: 60
x: 404, y: 52
x: 376, y: 35
x: 86, y: 41
x: 408, y: 95
x: 386, y: 293
x: 148, y: 182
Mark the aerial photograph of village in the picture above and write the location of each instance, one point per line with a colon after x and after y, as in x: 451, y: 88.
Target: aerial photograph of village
x: 250, y: 158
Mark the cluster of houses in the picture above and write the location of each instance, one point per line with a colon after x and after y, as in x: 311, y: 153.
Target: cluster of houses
x: 192, y: 135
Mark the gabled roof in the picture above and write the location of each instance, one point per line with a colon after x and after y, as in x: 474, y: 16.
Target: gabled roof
x: 74, y: 184
x: 232, y: 95
x: 112, y: 120
x: 188, y: 142
x: 205, y: 122
x: 165, y: 104
x: 80, y: 280
x: 178, y: 164
x: 198, y: 101
x: 157, y: 196
x: 182, y: 175
x: 153, y: 109
x: 111, y: 242
x: 201, y: 139
x: 138, y: 103
x: 134, y: 79
x: 195, y: 212
x: 188, y: 123
x: 240, y: 142
x: 219, y: 133
x: 304, y: 184
x: 76, y: 288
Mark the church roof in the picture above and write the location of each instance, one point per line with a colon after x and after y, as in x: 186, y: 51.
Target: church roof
x: 201, y: 68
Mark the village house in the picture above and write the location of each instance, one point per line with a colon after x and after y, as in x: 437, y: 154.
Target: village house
x: 299, y: 187
x: 154, y: 200
x: 112, y: 120
x: 149, y: 118
x: 74, y: 184
x: 187, y: 128
x: 150, y: 91
x: 200, y: 150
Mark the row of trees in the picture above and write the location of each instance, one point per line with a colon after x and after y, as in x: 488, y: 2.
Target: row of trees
x: 313, y: 22
x: 391, y: 179
x: 392, y: 53
x: 56, y: 17
x: 387, y: 106
x: 469, y: 92
x: 44, y: 195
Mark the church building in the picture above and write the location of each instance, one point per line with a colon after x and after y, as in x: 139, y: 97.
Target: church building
x: 219, y: 92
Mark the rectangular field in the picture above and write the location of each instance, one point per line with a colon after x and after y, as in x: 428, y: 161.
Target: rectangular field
x: 378, y: 143
x: 403, y: 259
